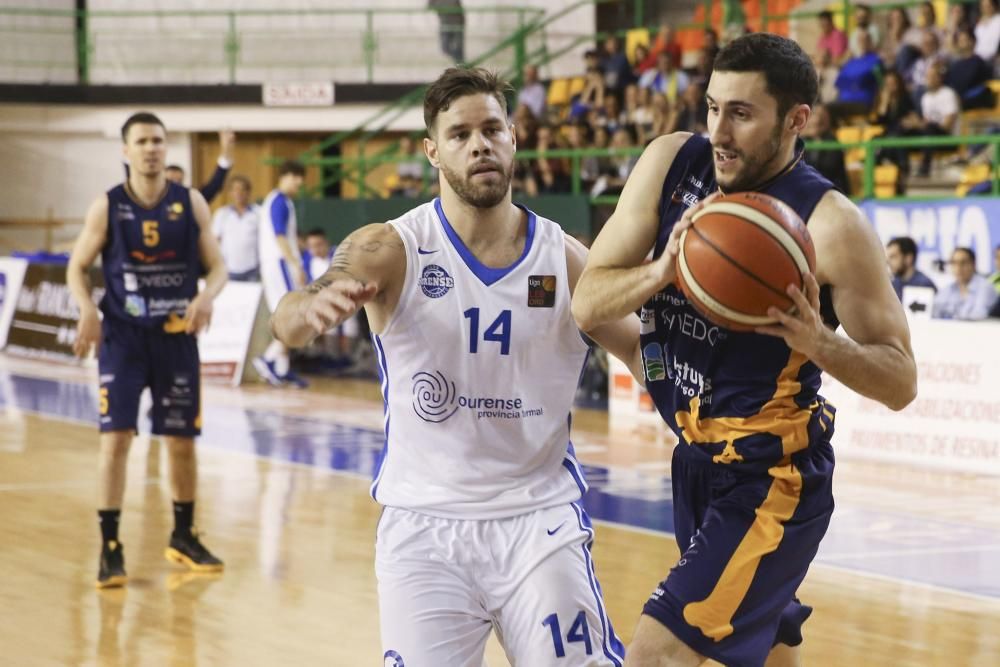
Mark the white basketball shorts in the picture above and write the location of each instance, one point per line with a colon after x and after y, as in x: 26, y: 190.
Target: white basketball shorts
x: 443, y: 584
x: 277, y: 281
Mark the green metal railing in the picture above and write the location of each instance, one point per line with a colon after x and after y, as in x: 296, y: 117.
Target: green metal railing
x: 576, y: 156
x: 220, y: 39
x: 338, y: 169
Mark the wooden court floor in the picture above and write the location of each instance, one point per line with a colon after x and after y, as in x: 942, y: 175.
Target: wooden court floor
x: 297, y: 538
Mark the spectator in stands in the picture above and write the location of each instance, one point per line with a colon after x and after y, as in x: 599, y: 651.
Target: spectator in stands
x: 610, y: 115
x: 971, y: 296
x: 703, y: 70
x: 616, y: 68
x: 901, y: 45
x: 175, y: 172
x: 858, y: 81
x: 691, y: 111
x: 863, y: 24
x: 666, y: 79
x: 711, y: 44
x: 968, y: 74
x: 988, y: 30
x: 236, y: 228
x: 638, y: 112
x: 940, y: 108
x: 532, y: 93
x: 828, y: 163
x: 832, y: 46
x: 958, y: 19
x: 895, y: 112
x: 617, y: 168
x: 550, y: 175
x: 927, y: 20
x: 452, y: 27
x: 664, y: 118
x: 409, y: 170
x: 901, y: 255
x: 639, y: 62
x: 591, y: 97
x: 581, y: 136
x: 665, y: 42
x: 930, y: 56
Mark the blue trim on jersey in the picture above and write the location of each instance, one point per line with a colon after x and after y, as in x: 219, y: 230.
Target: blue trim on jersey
x: 575, y: 471
x: 613, y: 647
x: 279, y: 214
x: 383, y: 377
x: 286, y: 275
x: 488, y: 275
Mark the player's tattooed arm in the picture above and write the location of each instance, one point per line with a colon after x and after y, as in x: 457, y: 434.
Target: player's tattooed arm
x: 366, y: 270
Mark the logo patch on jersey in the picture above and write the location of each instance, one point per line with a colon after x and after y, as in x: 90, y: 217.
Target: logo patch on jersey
x: 434, y: 396
x: 131, y: 282
x: 652, y: 359
x: 135, y: 305
x: 124, y: 212
x: 393, y: 659
x: 175, y: 211
x: 541, y: 291
x: 435, y: 281
x: 647, y: 321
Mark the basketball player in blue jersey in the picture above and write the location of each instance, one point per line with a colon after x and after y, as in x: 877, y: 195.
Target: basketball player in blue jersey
x: 155, y: 241
x: 753, y: 467
x: 468, y: 298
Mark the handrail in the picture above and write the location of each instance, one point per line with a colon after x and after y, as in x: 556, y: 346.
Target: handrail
x: 870, y: 146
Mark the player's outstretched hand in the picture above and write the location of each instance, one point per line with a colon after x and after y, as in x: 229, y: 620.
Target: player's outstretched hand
x: 199, y: 314
x: 88, y: 332
x: 334, y: 303
x: 668, y: 260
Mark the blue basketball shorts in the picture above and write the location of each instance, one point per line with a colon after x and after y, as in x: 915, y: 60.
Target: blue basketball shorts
x: 132, y: 358
x: 746, y: 542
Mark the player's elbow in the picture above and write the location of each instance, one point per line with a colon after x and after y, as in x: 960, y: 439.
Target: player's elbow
x: 905, y: 392
x: 583, y: 313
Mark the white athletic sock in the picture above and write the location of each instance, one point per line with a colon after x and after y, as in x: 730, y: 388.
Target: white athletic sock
x: 275, y: 350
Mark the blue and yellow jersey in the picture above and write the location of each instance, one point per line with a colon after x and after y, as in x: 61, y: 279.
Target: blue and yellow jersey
x: 734, y: 398
x: 151, y: 258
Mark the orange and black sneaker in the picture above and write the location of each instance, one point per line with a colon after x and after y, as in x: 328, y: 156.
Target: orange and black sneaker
x: 111, y: 572
x: 187, y: 550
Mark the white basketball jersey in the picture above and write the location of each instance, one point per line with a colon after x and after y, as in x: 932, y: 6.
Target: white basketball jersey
x: 270, y: 253
x: 479, y: 368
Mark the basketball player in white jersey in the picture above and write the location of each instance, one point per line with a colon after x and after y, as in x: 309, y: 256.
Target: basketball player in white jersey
x: 469, y: 303
x: 281, y: 268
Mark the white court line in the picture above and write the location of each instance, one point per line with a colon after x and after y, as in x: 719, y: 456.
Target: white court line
x: 636, y: 529
x: 864, y: 555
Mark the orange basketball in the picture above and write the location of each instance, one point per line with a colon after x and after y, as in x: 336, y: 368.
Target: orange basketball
x: 739, y: 257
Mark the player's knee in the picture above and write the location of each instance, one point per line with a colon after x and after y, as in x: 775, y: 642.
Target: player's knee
x: 180, y: 448
x: 115, y: 444
x: 655, y: 646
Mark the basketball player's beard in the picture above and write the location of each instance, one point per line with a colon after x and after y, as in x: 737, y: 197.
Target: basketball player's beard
x: 486, y: 195
x: 755, y: 165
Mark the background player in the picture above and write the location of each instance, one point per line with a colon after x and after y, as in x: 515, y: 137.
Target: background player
x: 281, y: 268
x: 469, y: 300
x: 155, y: 241
x: 752, y: 471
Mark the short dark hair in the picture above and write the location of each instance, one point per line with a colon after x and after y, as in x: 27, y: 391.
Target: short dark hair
x: 240, y: 178
x: 291, y: 167
x: 143, y: 118
x: 864, y: 7
x: 790, y: 75
x: 174, y: 167
x: 968, y: 251
x: 457, y: 82
x: 316, y: 231
x: 826, y: 15
x: 906, y: 246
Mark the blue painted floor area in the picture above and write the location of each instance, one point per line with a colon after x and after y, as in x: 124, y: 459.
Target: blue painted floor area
x: 951, y: 555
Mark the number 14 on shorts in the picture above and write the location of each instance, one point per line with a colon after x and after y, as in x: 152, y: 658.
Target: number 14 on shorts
x: 579, y: 631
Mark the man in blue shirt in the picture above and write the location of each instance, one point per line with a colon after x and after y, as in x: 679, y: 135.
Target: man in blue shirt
x: 971, y: 296
x: 901, y: 253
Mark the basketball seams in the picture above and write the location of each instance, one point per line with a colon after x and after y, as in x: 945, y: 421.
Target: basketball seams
x: 744, y: 270
x: 776, y: 230
x: 709, y: 302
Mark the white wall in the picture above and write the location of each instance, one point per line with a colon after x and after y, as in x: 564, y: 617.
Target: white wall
x: 293, y: 44
x: 61, y: 157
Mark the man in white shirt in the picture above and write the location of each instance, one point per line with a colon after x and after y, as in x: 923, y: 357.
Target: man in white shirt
x: 532, y: 93
x: 236, y: 228
x: 940, y: 107
x: 971, y: 296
